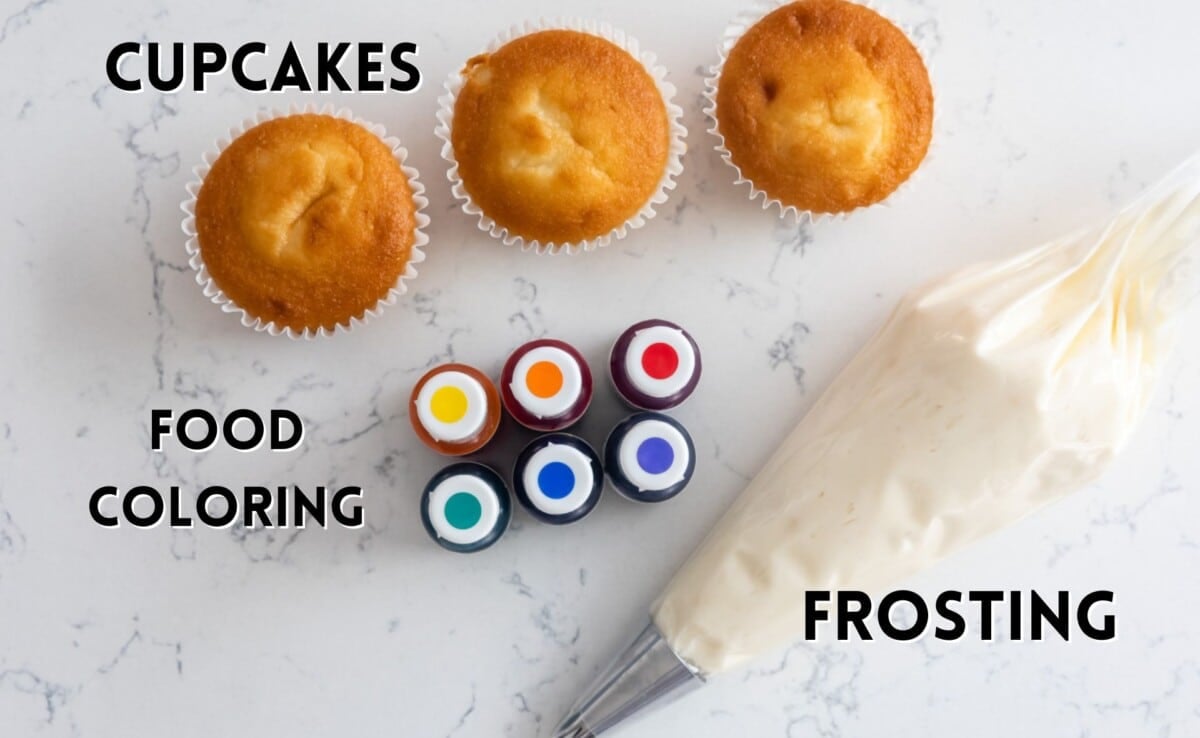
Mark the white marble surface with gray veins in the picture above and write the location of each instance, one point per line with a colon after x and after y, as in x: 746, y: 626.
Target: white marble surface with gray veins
x: 1049, y: 115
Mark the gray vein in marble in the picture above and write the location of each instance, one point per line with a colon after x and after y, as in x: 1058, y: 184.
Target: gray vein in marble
x: 738, y: 290
x: 150, y: 163
x: 1149, y: 709
x: 928, y: 35
x: 55, y: 695
x: 830, y: 693
x: 516, y: 647
x: 22, y: 18
x: 52, y: 694
x: 557, y: 626
x: 780, y: 666
x: 306, y: 382
x: 462, y: 720
x: 519, y: 586
x: 721, y: 458
x: 190, y: 386
x: 791, y: 240
x: 425, y: 305
x: 785, y: 351
x: 527, y: 320
x: 123, y: 651
x: 12, y: 539
x: 183, y: 545
x: 265, y: 544
x: 521, y: 704
x: 681, y: 208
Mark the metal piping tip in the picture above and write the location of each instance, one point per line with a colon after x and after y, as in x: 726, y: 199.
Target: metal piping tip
x: 646, y: 673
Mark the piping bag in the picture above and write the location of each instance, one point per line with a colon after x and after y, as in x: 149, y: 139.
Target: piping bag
x: 987, y: 394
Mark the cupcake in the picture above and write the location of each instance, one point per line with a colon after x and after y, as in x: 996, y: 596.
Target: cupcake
x: 560, y: 137
x: 306, y: 223
x: 454, y: 409
x: 823, y: 105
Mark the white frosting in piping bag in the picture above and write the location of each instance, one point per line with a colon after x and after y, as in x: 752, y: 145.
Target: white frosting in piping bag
x: 986, y: 395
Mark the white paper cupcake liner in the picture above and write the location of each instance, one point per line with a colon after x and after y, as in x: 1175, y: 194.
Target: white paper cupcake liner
x: 218, y: 297
x: 733, y: 33
x: 676, y: 150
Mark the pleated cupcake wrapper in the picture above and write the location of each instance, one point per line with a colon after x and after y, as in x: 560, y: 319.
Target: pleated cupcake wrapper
x: 218, y: 297
x: 741, y: 23
x: 676, y: 150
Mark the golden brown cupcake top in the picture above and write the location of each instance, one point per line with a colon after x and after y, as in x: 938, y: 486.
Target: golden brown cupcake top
x: 825, y: 105
x: 560, y: 136
x: 306, y: 221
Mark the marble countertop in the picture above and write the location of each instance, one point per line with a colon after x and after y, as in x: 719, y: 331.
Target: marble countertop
x: 1049, y: 115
